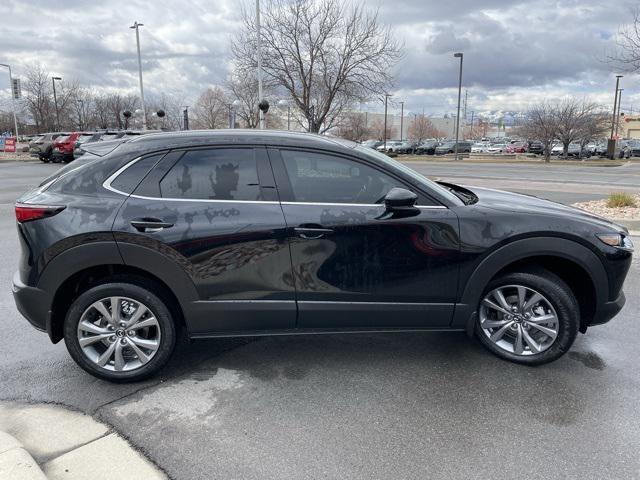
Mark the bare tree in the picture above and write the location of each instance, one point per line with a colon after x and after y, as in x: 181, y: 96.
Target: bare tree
x: 627, y: 53
x: 173, y: 107
x: 542, y: 124
x: 38, y: 97
x: 573, y: 116
x: 354, y: 127
x: 593, y: 128
x: 422, y: 128
x: 325, y: 54
x: 377, y: 130
x: 211, y: 109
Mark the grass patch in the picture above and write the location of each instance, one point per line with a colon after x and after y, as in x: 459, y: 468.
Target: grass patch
x: 620, y: 199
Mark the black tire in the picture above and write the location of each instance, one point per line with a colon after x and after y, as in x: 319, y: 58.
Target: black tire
x: 138, y: 290
x: 561, y: 298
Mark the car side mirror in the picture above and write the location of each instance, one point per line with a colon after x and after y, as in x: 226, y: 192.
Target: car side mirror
x: 400, y: 198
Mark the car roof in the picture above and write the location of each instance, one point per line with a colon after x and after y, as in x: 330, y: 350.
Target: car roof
x: 194, y: 138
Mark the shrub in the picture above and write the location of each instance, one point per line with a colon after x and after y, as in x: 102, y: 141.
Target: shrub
x: 620, y: 199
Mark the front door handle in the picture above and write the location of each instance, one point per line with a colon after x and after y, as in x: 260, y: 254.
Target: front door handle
x: 312, y: 231
x: 149, y: 225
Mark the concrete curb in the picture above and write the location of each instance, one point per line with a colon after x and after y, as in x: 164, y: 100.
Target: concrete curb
x: 48, y: 441
x: 15, y: 462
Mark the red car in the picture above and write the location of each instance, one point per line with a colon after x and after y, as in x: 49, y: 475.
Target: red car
x: 518, y: 147
x: 63, y: 147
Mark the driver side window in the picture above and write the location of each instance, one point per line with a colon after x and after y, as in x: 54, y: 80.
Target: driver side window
x: 321, y: 178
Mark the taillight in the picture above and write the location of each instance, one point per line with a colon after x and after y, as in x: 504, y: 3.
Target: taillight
x: 26, y: 212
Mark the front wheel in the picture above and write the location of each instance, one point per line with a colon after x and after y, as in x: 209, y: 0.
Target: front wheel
x: 119, y: 332
x: 528, y: 317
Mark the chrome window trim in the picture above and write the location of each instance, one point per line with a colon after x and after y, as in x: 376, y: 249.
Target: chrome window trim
x: 107, y: 184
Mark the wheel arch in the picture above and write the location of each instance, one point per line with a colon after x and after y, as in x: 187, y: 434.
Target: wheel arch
x: 578, y: 266
x: 82, y: 267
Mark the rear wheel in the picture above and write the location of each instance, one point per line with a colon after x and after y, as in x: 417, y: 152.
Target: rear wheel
x: 119, y: 332
x: 528, y: 317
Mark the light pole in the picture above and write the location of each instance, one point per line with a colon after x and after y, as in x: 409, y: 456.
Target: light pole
x: 460, y: 56
x: 386, y: 97
x: 81, y: 102
x: 136, y: 26
x: 282, y: 103
x: 259, y: 52
x: 13, y: 100
x: 619, y: 108
x: 55, y: 100
x: 611, y: 144
x: 401, y: 120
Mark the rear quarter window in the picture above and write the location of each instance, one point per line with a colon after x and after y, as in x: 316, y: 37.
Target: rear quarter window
x: 128, y: 180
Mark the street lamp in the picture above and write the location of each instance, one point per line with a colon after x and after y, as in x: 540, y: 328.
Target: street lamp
x: 13, y: 100
x: 460, y: 56
x: 81, y: 102
x: 386, y: 97
x: 282, y: 103
x: 136, y: 26
x: 401, y: 119
x: 55, y: 100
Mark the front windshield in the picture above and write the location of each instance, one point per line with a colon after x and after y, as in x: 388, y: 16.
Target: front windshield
x: 381, y: 157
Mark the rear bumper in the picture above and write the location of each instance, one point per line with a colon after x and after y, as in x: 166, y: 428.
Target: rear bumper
x: 34, y: 304
x: 608, y: 310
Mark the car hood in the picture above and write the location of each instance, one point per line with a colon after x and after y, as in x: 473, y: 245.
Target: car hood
x: 517, y: 202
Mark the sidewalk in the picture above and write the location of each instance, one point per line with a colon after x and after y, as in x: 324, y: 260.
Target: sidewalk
x: 39, y: 442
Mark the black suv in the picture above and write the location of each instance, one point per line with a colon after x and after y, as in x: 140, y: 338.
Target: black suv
x: 225, y: 233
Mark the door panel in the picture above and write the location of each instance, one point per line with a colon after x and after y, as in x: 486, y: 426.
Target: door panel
x: 234, y: 251
x: 355, y: 264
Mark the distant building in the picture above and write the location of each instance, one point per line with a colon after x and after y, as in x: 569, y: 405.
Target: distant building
x: 629, y: 126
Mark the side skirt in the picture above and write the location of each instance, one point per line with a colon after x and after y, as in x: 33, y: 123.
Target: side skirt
x: 313, y: 331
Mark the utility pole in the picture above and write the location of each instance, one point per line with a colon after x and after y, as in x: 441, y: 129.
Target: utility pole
x: 401, y: 120
x: 611, y: 144
x: 386, y: 97
x: 136, y: 26
x: 259, y: 52
x: 460, y: 56
x: 13, y: 99
x: 472, y: 118
x: 619, y: 108
x: 55, y: 101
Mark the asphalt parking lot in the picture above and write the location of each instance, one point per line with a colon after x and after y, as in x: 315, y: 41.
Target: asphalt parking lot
x: 402, y: 406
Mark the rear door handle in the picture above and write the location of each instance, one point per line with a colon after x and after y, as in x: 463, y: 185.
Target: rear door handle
x: 310, y: 232
x: 150, y: 224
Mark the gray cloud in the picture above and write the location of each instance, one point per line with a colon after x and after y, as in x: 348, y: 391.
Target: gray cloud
x: 514, y: 50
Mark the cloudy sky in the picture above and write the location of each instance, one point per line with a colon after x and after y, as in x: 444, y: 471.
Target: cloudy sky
x: 516, y: 52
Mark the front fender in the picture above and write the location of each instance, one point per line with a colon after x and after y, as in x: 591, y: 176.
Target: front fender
x: 504, y: 256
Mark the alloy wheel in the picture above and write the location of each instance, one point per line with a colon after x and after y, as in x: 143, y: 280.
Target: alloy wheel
x: 119, y: 334
x: 518, y: 320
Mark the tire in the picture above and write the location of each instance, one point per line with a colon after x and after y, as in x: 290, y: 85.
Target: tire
x: 131, y: 291
x: 556, y: 295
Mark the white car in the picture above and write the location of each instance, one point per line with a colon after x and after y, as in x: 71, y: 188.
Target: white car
x: 497, y: 148
x: 391, y: 144
x: 557, y: 149
x: 480, y: 147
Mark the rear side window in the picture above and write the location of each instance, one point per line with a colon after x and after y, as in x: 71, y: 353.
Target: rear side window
x: 128, y: 180
x: 214, y: 174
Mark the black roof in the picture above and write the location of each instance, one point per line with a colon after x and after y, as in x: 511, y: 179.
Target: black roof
x: 192, y: 138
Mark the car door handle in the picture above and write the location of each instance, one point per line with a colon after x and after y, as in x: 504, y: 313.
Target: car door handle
x: 150, y: 224
x: 310, y: 232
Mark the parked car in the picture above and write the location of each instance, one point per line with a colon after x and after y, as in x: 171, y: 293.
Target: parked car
x: 42, y: 147
x: 634, y: 148
x: 407, y: 147
x: 557, y: 149
x: 63, y: 147
x: 389, y: 147
x: 427, y: 148
x: 517, y: 147
x: 372, y: 143
x: 536, y: 147
x: 480, y: 147
x: 450, y: 147
x: 497, y: 148
x: 149, y: 261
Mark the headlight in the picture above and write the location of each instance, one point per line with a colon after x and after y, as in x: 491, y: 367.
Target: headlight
x: 617, y: 240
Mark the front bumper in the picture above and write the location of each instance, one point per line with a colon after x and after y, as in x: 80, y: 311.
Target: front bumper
x: 608, y: 310
x: 34, y: 304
